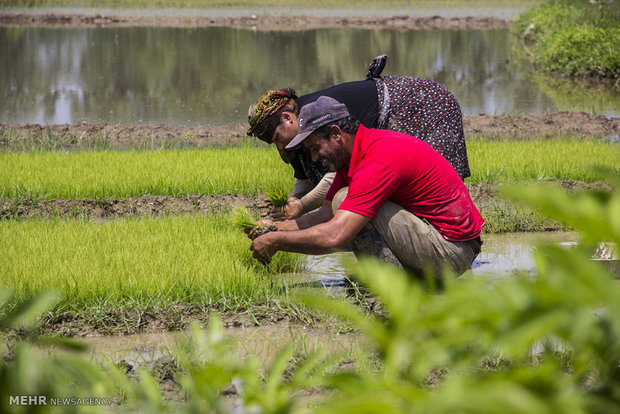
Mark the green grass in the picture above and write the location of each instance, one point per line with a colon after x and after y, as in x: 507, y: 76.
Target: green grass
x: 493, y: 161
x: 107, y: 174
x: 278, y: 194
x: 577, y: 38
x: 138, y: 263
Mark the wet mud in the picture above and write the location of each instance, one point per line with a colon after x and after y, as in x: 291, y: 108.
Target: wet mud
x: 254, y: 22
x: 110, y: 209
x: 171, y: 318
x: 485, y: 196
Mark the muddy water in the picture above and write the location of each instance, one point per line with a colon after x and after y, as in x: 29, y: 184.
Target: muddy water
x: 263, y: 342
x: 502, y: 254
x: 188, y: 77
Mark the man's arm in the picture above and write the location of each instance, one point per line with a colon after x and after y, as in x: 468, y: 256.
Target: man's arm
x: 322, y: 238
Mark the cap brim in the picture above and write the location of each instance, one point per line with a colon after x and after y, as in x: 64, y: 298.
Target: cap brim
x: 299, y: 138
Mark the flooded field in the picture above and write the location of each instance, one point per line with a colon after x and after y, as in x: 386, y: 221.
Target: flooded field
x: 502, y: 255
x: 209, y: 76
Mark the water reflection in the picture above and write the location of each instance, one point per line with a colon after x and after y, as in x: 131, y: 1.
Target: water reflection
x: 502, y: 255
x: 210, y: 75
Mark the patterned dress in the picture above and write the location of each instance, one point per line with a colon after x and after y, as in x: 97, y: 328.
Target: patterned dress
x: 427, y: 110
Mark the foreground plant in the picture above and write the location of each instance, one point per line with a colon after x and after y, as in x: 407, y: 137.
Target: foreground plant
x: 556, y: 335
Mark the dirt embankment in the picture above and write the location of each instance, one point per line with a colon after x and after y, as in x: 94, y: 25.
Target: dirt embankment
x: 564, y: 124
x: 104, y: 136
x: 110, y: 209
x: 255, y: 22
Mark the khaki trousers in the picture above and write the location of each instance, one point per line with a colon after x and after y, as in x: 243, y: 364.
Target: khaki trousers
x: 415, y: 242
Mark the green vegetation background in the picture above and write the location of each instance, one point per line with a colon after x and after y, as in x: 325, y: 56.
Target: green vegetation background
x: 578, y: 38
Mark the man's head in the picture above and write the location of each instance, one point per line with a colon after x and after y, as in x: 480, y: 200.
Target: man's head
x: 322, y: 127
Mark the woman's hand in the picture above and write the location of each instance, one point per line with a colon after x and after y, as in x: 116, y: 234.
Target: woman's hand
x: 292, y: 209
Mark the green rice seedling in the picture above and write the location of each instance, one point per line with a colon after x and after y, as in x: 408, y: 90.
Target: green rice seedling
x: 249, y: 170
x: 514, y: 161
x: 137, y: 263
x: 242, y: 218
x: 278, y: 194
x: 108, y: 174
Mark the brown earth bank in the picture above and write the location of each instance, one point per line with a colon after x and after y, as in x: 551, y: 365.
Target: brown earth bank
x: 177, y: 317
x: 132, y: 207
x: 255, y: 22
x: 501, y: 215
x: 106, y: 136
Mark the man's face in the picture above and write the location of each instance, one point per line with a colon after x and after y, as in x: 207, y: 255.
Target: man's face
x: 330, y: 152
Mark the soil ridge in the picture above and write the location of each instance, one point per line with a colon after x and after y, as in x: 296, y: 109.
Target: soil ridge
x: 562, y: 124
x: 254, y: 22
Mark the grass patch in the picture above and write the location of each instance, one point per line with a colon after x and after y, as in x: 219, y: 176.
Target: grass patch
x: 242, y: 218
x: 577, y: 38
x: 512, y: 161
x: 507, y: 218
x: 137, y: 263
x: 278, y: 195
x: 107, y: 174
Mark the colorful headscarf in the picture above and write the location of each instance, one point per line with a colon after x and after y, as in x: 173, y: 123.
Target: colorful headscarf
x: 264, y: 115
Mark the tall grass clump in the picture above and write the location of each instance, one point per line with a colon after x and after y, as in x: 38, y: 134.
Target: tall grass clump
x: 242, y: 218
x: 574, y: 37
x: 137, y: 263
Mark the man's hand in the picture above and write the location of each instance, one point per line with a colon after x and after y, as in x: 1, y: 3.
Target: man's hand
x: 292, y: 209
x: 256, y: 231
x: 263, y: 249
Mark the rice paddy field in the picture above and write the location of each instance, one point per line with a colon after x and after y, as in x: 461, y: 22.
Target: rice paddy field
x: 153, y: 262
x: 126, y: 279
x: 253, y: 170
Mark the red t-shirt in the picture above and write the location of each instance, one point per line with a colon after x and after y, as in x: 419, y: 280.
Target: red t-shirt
x: 388, y: 165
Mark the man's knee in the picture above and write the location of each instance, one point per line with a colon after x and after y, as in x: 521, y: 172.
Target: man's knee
x: 339, y: 198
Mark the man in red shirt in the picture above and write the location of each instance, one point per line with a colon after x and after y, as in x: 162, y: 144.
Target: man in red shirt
x: 386, y: 181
